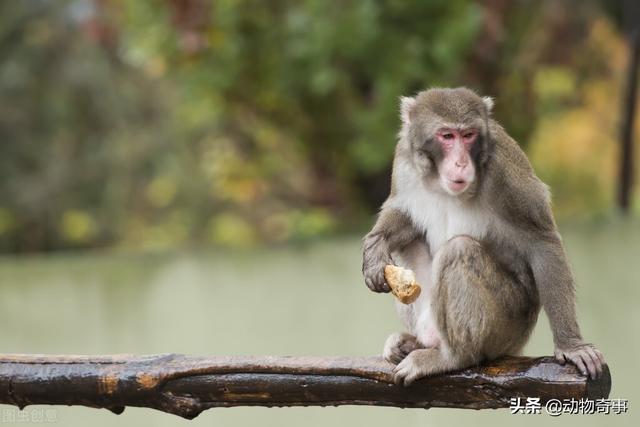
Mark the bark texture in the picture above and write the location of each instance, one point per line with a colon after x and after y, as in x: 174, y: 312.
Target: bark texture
x: 187, y: 385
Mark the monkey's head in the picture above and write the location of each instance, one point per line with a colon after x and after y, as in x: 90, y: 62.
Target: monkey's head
x: 448, y: 135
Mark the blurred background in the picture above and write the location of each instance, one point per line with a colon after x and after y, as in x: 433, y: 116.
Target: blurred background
x: 188, y: 175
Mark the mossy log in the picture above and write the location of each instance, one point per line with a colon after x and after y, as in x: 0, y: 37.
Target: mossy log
x: 187, y: 385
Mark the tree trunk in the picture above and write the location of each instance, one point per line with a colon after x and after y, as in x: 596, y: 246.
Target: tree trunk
x: 625, y: 181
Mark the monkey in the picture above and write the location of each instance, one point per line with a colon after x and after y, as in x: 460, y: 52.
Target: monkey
x: 467, y: 213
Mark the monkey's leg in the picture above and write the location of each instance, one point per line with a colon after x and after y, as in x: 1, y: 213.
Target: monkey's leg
x: 417, y: 316
x: 480, y: 312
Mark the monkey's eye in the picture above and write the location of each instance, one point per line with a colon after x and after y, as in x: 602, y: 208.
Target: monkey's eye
x: 447, y: 135
x: 469, y: 135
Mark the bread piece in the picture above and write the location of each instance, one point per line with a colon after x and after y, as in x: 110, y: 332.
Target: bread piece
x: 403, y: 283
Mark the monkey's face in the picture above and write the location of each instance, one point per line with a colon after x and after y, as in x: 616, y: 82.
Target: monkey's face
x: 447, y: 132
x: 456, y: 170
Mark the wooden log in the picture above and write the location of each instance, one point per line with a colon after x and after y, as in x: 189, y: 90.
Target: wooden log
x: 187, y: 385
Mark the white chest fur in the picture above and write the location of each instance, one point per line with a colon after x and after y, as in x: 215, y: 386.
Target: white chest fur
x: 442, y: 216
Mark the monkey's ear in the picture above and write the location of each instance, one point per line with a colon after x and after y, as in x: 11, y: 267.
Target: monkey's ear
x: 488, y: 102
x: 406, y: 105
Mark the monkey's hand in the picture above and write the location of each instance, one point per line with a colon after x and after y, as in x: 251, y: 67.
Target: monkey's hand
x: 586, y: 357
x: 374, y: 277
x: 374, y: 259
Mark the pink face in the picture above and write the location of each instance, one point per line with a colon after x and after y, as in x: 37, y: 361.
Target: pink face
x: 457, y: 171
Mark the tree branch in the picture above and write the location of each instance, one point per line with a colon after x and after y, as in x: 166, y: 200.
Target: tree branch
x: 187, y: 385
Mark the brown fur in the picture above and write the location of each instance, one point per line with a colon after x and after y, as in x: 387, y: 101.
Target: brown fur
x: 486, y: 293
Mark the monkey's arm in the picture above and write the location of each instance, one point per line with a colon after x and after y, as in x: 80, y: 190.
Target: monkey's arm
x: 557, y: 294
x: 392, y: 231
x: 546, y: 255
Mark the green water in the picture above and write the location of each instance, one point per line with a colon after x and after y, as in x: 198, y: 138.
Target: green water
x: 288, y: 301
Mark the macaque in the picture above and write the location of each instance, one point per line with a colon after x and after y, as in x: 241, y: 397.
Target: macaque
x: 468, y: 215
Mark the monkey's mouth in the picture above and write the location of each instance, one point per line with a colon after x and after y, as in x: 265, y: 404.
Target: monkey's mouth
x: 457, y: 185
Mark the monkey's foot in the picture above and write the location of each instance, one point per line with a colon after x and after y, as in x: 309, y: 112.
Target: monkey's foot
x: 398, y: 346
x: 410, y: 369
x: 421, y: 363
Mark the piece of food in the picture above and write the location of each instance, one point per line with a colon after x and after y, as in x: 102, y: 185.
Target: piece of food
x: 402, y: 283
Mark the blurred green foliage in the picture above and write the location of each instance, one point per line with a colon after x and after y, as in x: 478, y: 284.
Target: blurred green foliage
x: 234, y: 122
